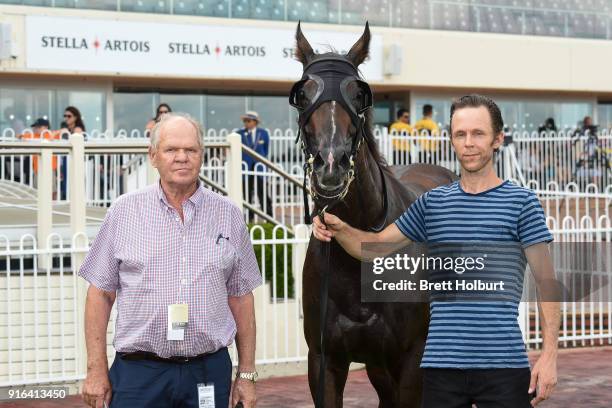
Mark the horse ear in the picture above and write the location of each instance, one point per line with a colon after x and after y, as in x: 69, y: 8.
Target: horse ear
x: 303, y: 50
x: 361, y: 49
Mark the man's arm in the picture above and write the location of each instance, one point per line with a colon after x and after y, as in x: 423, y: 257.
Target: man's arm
x: 96, y: 387
x: 544, y: 373
x: 351, y: 238
x: 243, y: 310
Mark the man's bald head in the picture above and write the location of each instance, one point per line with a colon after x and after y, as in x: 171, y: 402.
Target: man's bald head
x: 176, y: 123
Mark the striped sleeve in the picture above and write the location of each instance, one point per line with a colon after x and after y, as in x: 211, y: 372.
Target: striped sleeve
x: 412, y: 222
x: 532, y: 227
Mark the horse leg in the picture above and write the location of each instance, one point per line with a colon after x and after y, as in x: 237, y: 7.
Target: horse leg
x: 411, y: 380
x: 384, y: 384
x: 336, y: 371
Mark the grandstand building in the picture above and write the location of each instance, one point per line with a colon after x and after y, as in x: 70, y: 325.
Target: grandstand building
x: 117, y: 59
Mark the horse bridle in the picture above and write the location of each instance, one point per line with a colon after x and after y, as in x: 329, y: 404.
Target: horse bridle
x: 332, y: 75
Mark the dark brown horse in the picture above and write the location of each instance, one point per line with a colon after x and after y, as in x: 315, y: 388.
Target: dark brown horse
x: 347, y: 173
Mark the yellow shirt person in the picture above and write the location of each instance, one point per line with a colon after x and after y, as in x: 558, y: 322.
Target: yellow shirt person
x: 400, y: 132
x: 427, y: 124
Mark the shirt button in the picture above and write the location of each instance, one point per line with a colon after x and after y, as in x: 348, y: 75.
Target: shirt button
x: 183, y: 259
x: 184, y: 282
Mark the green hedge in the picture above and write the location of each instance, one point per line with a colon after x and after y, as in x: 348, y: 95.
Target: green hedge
x: 280, y: 257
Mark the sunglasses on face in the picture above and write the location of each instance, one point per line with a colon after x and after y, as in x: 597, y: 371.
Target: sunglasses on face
x: 405, y: 117
x: 162, y: 112
x: 67, y: 116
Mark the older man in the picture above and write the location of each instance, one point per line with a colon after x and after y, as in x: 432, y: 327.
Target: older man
x: 178, y: 259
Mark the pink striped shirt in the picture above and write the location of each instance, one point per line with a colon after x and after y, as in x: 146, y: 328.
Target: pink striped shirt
x: 151, y: 259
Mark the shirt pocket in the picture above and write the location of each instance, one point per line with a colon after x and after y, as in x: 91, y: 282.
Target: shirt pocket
x: 219, y: 261
x: 131, y: 273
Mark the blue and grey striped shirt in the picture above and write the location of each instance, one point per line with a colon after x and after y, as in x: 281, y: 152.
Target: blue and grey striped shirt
x: 477, y: 334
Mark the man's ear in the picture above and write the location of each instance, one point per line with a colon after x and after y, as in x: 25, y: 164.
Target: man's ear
x: 152, y: 156
x: 498, y: 141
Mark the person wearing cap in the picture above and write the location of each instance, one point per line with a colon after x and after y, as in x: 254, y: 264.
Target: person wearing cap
x: 257, y: 139
x: 40, y: 130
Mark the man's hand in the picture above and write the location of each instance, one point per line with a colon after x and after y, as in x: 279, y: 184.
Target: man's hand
x: 97, y: 389
x: 244, y: 391
x: 325, y: 232
x: 544, y: 377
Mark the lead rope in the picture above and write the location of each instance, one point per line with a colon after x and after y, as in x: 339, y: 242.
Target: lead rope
x: 323, y: 295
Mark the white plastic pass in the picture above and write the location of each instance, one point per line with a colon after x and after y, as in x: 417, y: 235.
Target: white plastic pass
x: 206, y: 396
x: 177, y: 321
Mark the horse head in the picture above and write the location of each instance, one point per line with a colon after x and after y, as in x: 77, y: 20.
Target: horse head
x: 332, y: 101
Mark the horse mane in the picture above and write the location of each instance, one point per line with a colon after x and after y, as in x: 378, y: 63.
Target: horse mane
x: 370, y: 140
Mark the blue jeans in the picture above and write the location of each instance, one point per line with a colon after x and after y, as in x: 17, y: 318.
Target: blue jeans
x: 150, y: 384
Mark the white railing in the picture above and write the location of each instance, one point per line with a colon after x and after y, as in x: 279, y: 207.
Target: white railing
x: 547, y: 157
x: 42, y: 304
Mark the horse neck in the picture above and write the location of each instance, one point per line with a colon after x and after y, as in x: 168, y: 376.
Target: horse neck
x: 365, y: 202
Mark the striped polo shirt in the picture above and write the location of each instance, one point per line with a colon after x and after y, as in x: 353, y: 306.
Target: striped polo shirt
x: 466, y: 333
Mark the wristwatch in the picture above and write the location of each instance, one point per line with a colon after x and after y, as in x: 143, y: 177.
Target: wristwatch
x: 247, y: 376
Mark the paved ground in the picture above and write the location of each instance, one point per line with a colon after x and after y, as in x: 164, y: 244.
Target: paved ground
x: 585, y: 380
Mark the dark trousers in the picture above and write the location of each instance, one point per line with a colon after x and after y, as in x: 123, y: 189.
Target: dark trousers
x: 487, y: 388
x: 260, y: 190
x: 152, y: 384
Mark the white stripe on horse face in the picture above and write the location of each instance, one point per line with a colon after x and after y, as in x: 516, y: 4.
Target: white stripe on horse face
x: 330, y: 156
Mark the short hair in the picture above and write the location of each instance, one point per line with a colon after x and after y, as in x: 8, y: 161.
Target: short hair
x: 156, y: 131
x: 401, y: 112
x: 476, y: 101
x: 427, y: 109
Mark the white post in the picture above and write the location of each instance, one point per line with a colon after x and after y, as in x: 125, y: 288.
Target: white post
x: 302, y: 233
x: 234, y: 169
x: 44, y: 214
x: 78, y: 229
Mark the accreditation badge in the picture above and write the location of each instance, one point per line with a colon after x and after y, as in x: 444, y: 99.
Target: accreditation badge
x: 177, y: 321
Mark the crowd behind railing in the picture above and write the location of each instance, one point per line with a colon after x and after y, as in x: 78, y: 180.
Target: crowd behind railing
x: 579, y: 157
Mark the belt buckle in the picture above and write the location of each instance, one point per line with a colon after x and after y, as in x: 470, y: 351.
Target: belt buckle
x: 181, y: 359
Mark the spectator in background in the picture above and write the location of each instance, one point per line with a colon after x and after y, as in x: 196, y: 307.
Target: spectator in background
x: 162, y: 109
x: 427, y: 127
x: 400, y: 132
x: 40, y: 130
x: 73, y: 123
x: 548, y: 126
x: 550, y: 165
x: 257, y: 139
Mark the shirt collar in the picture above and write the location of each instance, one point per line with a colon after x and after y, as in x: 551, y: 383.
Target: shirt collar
x: 196, y: 198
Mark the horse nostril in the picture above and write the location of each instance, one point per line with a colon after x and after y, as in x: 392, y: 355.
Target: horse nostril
x: 345, y: 162
x: 318, y: 161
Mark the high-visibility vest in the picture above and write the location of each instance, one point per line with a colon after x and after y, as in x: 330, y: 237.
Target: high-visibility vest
x: 49, y: 135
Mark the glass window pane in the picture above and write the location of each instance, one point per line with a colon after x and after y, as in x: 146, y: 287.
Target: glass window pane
x: 84, y: 4
x: 21, y: 107
x: 133, y: 110
x: 91, y: 104
x: 571, y: 114
x: 223, y: 112
x: 217, y: 8
x: 273, y: 111
x: 189, y: 104
x: 144, y: 6
x: 315, y: 11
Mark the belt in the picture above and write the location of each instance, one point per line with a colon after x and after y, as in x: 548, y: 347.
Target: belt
x: 146, y: 355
